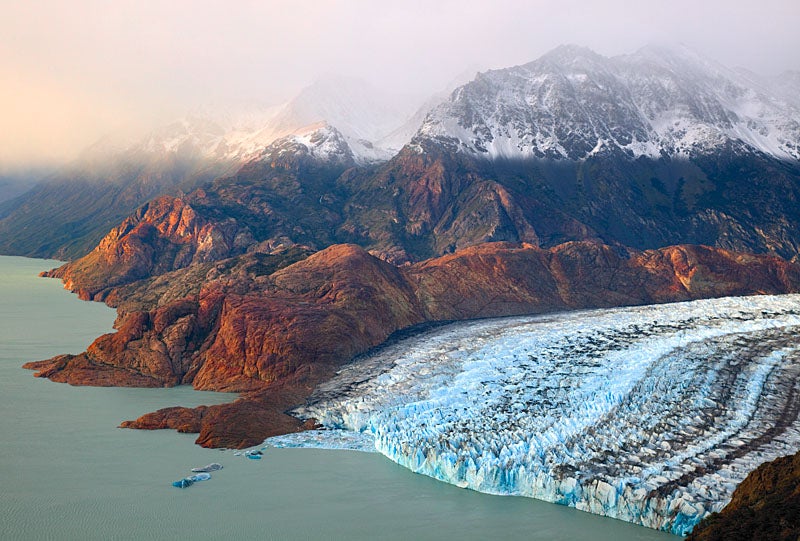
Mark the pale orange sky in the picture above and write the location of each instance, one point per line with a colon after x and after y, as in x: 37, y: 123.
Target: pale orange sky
x: 72, y: 71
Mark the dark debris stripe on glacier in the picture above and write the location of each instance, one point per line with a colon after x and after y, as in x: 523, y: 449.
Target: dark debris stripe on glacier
x: 648, y: 414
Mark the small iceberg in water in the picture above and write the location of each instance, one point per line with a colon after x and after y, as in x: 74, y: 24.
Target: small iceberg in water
x: 192, y: 479
x: 183, y: 483
x: 255, y: 454
x: 326, y: 439
x: 214, y: 466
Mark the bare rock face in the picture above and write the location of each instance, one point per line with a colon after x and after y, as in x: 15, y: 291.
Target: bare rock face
x: 149, y: 349
x: 307, y: 320
x: 246, y: 422
x: 504, y: 279
x: 163, y: 235
x: 186, y: 420
x: 84, y: 370
x: 766, y: 505
x: 329, y: 307
x: 253, y: 326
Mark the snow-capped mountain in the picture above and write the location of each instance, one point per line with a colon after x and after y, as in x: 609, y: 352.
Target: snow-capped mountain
x: 399, y: 137
x: 361, y: 113
x: 197, y: 137
x: 117, y: 174
x: 573, y: 103
x: 320, y: 142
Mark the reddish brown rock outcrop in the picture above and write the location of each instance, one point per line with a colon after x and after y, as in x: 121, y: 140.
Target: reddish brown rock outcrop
x: 243, y: 423
x: 168, y: 227
x: 766, y: 505
x: 278, y: 334
x: 504, y: 279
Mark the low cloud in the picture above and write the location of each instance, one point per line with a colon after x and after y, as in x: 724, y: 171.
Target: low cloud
x: 71, y: 71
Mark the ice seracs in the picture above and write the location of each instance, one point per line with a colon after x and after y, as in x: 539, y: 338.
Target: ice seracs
x: 651, y: 415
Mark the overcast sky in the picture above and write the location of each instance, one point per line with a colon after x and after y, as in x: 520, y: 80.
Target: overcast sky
x: 73, y: 70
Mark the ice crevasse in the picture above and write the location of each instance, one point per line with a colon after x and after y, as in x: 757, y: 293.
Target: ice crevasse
x: 648, y: 414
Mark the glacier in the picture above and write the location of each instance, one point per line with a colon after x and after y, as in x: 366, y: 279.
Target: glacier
x: 650, y: 414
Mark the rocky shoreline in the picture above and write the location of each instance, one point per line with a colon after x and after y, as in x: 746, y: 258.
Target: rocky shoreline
x: 766, y: 505
x: 274, y: 327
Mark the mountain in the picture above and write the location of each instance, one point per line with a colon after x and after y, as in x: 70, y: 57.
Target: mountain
x: 363, y: 114
x: 285, y: 196
x: 648, y: 149
x: 401, y: 135
x: 68, y: 214
x: 644, y: 150
x: 583, y: 179
x: 15, y: 181
x: 573, y: 104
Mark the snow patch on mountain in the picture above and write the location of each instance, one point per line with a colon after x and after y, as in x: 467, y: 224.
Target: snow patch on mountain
x: 320, y: 141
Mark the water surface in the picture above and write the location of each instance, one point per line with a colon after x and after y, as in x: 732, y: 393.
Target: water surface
x: 68, y: 472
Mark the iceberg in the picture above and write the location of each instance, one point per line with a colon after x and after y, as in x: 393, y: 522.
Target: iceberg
x: 192, y: 479
x: 214, y: 466
x: 650, y: 414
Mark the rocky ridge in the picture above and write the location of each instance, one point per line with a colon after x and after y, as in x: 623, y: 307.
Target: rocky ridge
x: 258, y: 325
x: 645, y: 150
x: 766, y: 505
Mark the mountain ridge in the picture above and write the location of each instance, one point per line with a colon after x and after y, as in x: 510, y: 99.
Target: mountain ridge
x: 66, y: 215
x: 286, y: 321
x: 656, y: 102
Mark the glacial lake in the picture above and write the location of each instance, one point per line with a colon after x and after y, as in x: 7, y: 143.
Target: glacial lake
x: 68, y: 472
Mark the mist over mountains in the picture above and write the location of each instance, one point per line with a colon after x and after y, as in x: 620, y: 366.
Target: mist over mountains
x: 560, y: 134
x: 84, y: 199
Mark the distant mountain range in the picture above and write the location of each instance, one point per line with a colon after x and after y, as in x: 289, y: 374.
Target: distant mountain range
x: 630, y: 153
x: 67, y: 213
x: 658, y: 103
x: 16, y: 182
x: 648, y: 149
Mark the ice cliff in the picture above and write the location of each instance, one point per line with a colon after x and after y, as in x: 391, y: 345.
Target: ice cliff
x: 650, y: 414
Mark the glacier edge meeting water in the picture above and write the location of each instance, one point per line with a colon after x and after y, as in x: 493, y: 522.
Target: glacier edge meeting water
x: 648, y: 414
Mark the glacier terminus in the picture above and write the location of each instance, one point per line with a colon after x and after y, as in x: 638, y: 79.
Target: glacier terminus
x: 650, y: 414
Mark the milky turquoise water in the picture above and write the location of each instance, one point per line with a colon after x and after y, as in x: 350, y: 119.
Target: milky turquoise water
x: 67, y: 472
